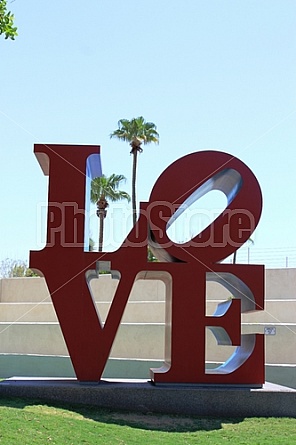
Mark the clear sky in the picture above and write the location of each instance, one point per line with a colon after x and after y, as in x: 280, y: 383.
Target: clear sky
x: 215, y: 74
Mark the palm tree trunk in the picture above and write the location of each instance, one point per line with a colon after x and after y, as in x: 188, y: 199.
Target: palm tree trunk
x: 101, y: 230
x: 134, y: 178
x: 102, y: 204
x: 234, y: 257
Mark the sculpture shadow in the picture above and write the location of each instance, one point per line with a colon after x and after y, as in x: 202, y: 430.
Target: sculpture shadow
x: 147, y: 421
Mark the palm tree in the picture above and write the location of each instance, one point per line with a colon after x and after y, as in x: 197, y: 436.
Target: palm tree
x: 102, y: 189
x: 136, y: 131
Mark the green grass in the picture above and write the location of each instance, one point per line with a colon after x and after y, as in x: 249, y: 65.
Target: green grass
x: 30, y: 422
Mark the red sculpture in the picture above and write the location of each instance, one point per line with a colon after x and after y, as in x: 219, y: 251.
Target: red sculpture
x: 184, y: 268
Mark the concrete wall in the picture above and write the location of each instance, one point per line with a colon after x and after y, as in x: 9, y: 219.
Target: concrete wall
x: 29, y: 327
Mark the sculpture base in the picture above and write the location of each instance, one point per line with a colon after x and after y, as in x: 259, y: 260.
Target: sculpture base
x: 142, y: 396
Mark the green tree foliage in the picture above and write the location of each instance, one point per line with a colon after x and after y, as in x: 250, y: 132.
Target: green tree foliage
x: 7, y: 22
x: 103, y: 189
x: 136, y: 131
x: 15, y: 268
x: 150, y: 256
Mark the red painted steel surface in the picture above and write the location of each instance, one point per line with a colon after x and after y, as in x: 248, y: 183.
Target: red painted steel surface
x: 183, y: 268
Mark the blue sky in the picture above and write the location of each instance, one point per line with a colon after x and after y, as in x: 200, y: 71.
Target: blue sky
x: 215, y: 75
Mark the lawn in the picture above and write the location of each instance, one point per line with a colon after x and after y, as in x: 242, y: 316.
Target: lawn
x: 30, y: 422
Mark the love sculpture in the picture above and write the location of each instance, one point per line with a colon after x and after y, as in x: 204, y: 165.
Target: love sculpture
x: 184, y: 268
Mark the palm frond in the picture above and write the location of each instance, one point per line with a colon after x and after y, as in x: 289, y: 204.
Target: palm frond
x: 107, y: 187
x: 136, y: 128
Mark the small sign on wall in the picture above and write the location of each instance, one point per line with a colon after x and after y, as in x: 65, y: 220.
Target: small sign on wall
x: 269, y: 330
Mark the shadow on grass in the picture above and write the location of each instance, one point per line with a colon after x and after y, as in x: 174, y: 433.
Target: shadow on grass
x: 149, y: 421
